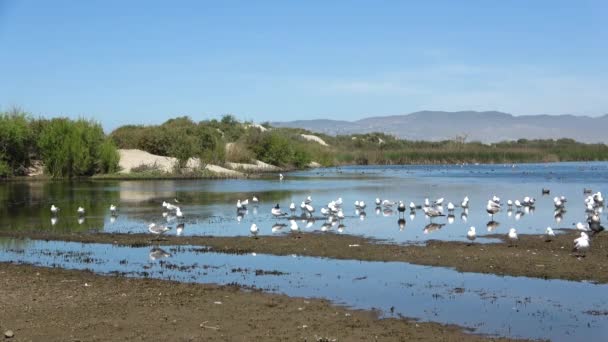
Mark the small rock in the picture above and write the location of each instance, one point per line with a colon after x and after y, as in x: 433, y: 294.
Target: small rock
x: 9, y: 334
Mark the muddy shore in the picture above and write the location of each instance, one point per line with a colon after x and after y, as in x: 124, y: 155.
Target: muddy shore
x: 532, y: 257
x: 45, y: 304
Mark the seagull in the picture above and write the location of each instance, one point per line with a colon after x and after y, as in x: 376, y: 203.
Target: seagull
x: 80, y: 211
x: 240, y: 205
x: 362, y: 205
x: 357, y: 204
x: 582, y: 227
x: 432, y: 212
x: 340, y: 215
x: 492, y: 207
x: 179, y: 230
x: 158, y: 253
x: 549, y: 234
x: 276, y: 211
x: 245, y: 203
x: 412, y: 206
x: 387, y: 203
x: 309, y: 208
x: 54, y: 209
x: 512, y: 237
x: 439, y: 201
x: 465, y: 202
x: 178, y: 212
x: 451, y: 206
x: 378, y: 202
x: 112, y: 210
x: 292, y: 207
x: 308, y: 200
x: 281, y: 176
x: 401, y: 207
x: 254, y: 230
x: 158, y: 230
x: 255, y: 200
x: 509, y: 203
x: 581, y: 244
x: 427, y: 203
x: 517, y: 204
x: 339, y: 202
x: 471, y: 235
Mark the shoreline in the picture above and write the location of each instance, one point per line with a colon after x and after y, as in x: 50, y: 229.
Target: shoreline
x: 532, y: 257
x: 254, y: 174
x: 55, y: 304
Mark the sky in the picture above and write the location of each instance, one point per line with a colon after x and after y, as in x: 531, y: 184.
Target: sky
x: 142, y: 62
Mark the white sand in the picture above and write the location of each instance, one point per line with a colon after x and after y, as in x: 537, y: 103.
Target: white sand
x: 314, y: 138
x: 133, y: 158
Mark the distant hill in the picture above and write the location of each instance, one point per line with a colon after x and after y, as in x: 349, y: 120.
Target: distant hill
x: 487, y: 127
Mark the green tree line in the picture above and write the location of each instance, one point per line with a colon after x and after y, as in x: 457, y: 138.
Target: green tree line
x: 66, y: 148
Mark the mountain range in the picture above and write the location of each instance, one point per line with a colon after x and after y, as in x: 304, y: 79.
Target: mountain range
x: 487, y: 127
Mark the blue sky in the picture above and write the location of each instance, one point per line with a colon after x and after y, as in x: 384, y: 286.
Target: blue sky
x: 145, y: 61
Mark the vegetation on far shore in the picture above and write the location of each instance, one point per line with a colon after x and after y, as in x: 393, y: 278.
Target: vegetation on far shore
x: 79, y: 148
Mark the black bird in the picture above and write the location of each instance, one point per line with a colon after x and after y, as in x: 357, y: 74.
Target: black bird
x: 546, y: 191
x: 595, y: 227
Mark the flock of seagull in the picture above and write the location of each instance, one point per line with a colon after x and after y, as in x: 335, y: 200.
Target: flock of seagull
x: 333, y: 214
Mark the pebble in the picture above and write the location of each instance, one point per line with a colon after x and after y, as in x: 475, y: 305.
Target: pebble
x: 9, y: 334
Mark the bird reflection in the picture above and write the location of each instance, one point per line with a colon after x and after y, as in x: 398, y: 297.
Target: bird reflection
x: 53, y: 221
x: 387, y: 212
x: 278, y: 227
x: 179, y: 230
x: 341, y: 228
x: 326, y: 226
x: 401, y: 223
x: 451, y: 218
x: 431, y: 227
x: 362, y: 215
x: 464, y: 216
x: 80, y: 220
x: 157, y: 253
x: 378, y: 210
x: 412, y: 215
x: 492, y: 225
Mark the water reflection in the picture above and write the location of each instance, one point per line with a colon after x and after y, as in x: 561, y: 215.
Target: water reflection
x: 506, y: 306
x: 208, y: 205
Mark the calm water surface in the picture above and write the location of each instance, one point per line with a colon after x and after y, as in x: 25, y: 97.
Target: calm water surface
x: 209, y: 205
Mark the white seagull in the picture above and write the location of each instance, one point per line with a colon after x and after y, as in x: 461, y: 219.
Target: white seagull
x: 157, y: 229
x: 54, y: 209
x: 549, y: 234
x: 471, y: 235
x: 254, y: 230
x: 581, y: 244
x: 80, y: 211
x: 512, y: 237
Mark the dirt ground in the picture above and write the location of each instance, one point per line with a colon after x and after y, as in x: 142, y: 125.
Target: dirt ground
x: 532, y: 256
x: 45, y: 304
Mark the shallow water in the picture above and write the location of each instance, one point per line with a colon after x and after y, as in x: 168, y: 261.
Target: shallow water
x: 505, y: 306
x: 209, y: 205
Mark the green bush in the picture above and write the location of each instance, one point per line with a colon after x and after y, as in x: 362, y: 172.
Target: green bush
x: 74, y: 148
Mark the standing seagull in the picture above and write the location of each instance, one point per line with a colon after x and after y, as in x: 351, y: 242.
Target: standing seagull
x: 54, y: 209
x: 281, y: 176
x: 112, y: 210
x: 492, y: 207
x: 80, y: 211
x: 471, y: 235
x: 549, y: 234
x: 276, y: 211
x: 512, y: 237
x: 581, y: 244
x: 432, y: 212
x: 254, y: 230
x: 158, y: 230
x: 401, y: 208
